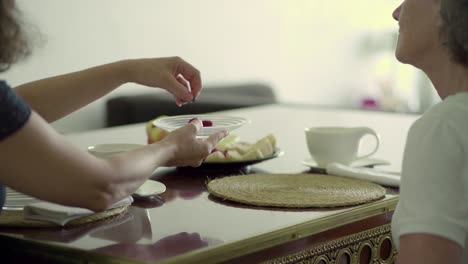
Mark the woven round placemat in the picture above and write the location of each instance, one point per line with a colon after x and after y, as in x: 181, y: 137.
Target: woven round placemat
x: 14, y: 218
x: 295, y: 190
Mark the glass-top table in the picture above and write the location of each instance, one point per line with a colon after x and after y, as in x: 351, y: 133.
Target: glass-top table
x: 187, y: 225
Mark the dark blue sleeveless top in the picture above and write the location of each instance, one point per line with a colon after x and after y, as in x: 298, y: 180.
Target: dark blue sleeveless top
x: 14, y: 113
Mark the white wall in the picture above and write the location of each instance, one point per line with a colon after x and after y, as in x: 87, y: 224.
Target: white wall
x: 305, y: 49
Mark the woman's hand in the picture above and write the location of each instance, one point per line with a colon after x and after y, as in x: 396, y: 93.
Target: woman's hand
x: 172, y: 74
x: 186, y: 148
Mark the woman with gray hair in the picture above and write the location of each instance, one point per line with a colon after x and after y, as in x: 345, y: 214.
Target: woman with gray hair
x: 38, y: 161
x: 430, y: 224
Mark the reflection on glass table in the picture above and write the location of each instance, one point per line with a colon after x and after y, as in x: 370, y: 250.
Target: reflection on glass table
x: 130, y: 231
x: 169, y: 246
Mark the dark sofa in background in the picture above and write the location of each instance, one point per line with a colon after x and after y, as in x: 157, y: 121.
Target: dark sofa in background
x: 129, y: 109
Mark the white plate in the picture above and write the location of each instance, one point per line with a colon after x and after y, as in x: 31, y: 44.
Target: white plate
x: 15, y: 199
x: 220, y: 122
x: 367, y: 162
x: 150, y: 188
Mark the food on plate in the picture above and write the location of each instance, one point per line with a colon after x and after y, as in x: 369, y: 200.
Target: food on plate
x: 232, y: 149
x: 229, y: 149
x: 272, y: 139
x: 265, y: 146
x: 233, y: 155
x: 215, y: 156
x: 228, y: 142
x: 243, y: 147
x: 154, y: 133
x: 205, y: 123
x: 253, y: 154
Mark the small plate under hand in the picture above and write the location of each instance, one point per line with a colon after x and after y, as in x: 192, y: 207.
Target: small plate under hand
x: 366, y: 162
x: 150, y: 188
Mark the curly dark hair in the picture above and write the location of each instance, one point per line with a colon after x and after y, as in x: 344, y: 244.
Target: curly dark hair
x: 454, y: 14
x: 13, y: 42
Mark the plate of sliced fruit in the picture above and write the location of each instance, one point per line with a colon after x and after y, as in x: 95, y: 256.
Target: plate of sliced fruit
x: 211, y: 123
x: 231, y: 152
x: 236, y: 164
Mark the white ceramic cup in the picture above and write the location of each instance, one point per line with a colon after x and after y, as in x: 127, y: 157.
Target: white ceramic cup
x: 106, y: 151
x: 337, y: 144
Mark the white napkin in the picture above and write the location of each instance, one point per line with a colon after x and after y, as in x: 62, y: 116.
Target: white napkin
x: 60, y: 214
x: 368, y: 174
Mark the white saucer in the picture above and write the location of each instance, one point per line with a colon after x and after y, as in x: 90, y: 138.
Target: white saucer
x: 15, y: 199
x: 149, y: 188
x: 367, y: 162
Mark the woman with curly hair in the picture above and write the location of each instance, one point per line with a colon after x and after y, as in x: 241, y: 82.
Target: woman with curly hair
x: 32, y: 152
x: 430, y: 223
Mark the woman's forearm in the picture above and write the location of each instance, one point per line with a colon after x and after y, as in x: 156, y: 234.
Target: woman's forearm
x: 55, y: 97
x: 38, y: 161
x: 130, y: 168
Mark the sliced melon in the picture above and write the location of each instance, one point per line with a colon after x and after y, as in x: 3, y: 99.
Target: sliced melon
x: 243, y: 147
x: 233, y: 155
x: 265, y: 147
x: 253, y: 154
x: 272, y: 139
x: 216, y: 156
x: 228, y: 142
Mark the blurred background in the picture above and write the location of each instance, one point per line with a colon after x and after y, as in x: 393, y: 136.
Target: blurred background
x: 325, y: 53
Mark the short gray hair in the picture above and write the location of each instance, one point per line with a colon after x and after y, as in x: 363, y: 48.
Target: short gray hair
x: 454, y: 31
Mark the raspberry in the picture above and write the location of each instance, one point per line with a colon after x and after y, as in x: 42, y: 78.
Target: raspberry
x: 207, y: 123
